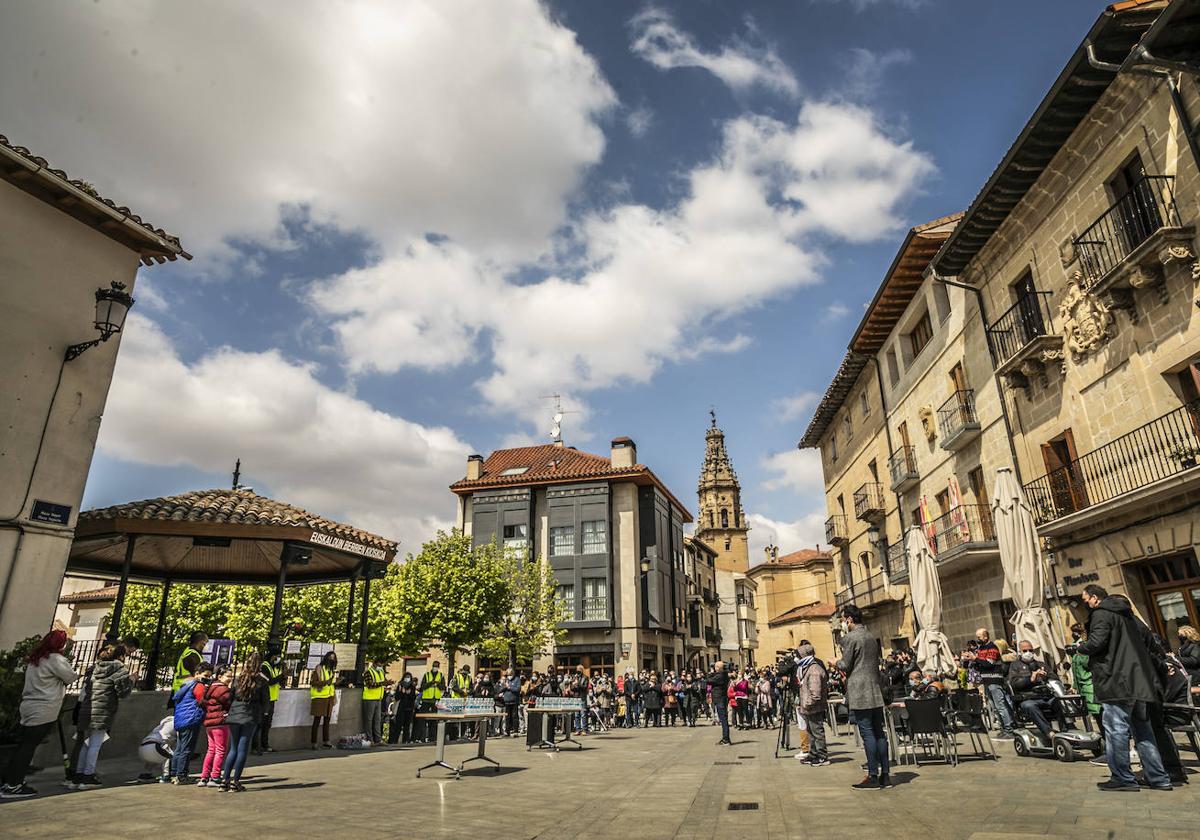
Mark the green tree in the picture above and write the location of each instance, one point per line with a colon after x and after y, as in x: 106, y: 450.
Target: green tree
x: 450, y: 594
x: 533, y: 623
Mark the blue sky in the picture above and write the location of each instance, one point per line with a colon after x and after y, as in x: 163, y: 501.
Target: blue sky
x: 412, y: 220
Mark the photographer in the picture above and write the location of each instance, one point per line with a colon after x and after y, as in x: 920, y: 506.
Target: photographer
x: 718, y: 681
x: 813, y: 699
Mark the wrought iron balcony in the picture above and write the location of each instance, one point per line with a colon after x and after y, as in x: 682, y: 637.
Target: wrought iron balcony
x: 868, y: 501
x: 897, y: 561
x: 836, y: 532
x: 966, y: 528
x: 1121, y: 248
x: 864, y: 593
x: 712, y: 636
x: 1161, y: 449
x: 902, y: 467
x: 957, y: 420
x: 693, y: 591
x: 1023, y: 339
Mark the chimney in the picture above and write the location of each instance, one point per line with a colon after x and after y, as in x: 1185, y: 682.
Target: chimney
x: 624, y: 453
x: 474, y: 467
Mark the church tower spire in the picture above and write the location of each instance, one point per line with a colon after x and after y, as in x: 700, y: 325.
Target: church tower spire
x: 722, y: 523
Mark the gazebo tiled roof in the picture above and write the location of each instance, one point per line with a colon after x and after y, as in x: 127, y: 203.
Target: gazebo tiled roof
x: 240, y: 506
x: 91, y: 596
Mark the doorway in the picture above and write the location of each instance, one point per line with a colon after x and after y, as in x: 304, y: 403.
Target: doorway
x: 1172, y: 586
x: 1068, y: 491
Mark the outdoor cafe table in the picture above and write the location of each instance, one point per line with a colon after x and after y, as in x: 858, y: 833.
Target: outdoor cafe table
x: 439, y: 756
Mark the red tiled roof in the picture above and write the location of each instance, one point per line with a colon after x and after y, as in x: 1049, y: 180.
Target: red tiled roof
x: 818, y: 609
x: 550, y: 464
x: 89, y: 596
x: 796, y: 558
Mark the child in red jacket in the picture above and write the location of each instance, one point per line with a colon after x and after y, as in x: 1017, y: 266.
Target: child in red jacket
x: 215, y: 699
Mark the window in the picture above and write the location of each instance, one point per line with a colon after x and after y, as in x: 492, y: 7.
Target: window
x: 893, y: 368
x: 564, y: 593
x: 562, y: 540
x: 728, y: 543
x: 594, y: 533
x: 516, y: 532
x: 833, y: 447
x: 595, y: 599
x: 864, y: 404
x: 921, y: 335
x: 847, y: 427
x: 978, y: 486
x: 724, y: 518
x: 864, y: 560
x: 941, y: 299
x: 515, y: 471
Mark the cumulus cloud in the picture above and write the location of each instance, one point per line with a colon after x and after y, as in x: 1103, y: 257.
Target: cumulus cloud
x: 806, y: 532
x: 313, y: 446
x: 836, y: 311
x: 791, y: 408
x: 473, y: 120
x: 740, y: 65
x: 797, y: 470
x: 644, y: 286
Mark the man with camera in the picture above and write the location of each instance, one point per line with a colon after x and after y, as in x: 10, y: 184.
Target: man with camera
x: 718, y: 681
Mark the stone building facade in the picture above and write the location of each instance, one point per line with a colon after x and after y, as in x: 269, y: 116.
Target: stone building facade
x: 597, y: 521
x: 737, y: 614
x: 702, y: 637
x: 795, y: 601
x: 1083, y: 248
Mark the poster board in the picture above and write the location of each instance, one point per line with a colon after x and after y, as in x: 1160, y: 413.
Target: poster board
x: 292, y: 648
x: 316, y: 650
x: 347, y: 654
x: 292, y: 708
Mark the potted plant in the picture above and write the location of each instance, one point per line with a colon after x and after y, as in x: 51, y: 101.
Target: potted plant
x: 1185, y: 455
x: 12, y: 684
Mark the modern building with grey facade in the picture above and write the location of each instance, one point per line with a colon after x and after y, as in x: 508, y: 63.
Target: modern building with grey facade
x: 611, y: 531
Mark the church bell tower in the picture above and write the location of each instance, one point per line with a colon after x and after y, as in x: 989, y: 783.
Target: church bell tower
x: 722, y: 522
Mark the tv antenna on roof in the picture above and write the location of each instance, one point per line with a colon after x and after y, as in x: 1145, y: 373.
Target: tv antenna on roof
x: 559, y: 411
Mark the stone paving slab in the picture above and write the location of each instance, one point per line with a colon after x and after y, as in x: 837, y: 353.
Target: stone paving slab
x: 644, y: 785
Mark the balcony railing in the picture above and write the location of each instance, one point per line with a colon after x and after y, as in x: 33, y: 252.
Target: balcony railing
x: 897, y: 561
x: 1160, y: 449
x: 712, y: 636
x: 1024, y: 322
x: 957, y: 419
x: 868, y: 501
x: 902, y: 467
x: 1149, y: 206
x: 836, y: 532
x: 863, y: 593
x: 711, y: 597
x: 962, y: 527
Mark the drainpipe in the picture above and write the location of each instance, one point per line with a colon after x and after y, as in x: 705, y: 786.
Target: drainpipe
x: 1008, y: 428
x: 1139, y: 63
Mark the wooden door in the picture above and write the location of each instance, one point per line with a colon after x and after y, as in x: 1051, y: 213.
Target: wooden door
x: 958, y: 379
x: 979, y: 487
x: 1068, y: 491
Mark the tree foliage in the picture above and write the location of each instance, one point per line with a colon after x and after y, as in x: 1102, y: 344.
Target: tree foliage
x: 450, y: 594
x: 531, y: 625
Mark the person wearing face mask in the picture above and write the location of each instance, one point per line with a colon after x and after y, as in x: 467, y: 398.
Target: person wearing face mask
x: 924, y: 686
x: 433, y: 686
x: 275, y: 673
x: 864, y: 696
x: 1027, y: 678
x: 987, y: 663
x: 1118, y: 647
x: 405, y: 696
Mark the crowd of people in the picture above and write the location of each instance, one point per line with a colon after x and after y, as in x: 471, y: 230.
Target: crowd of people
x: 1128, y: 681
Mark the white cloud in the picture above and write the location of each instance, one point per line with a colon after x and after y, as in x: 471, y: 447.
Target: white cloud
x: 473, y: 120
x: 865, y: 70
x: 740, y: 65
x: 315, y: 447
x: 797, y: 470
x: 791, y: 408
x: 643, y: 286
x: 836, y: 311
x: 806, y: 532
x: 639, y: 121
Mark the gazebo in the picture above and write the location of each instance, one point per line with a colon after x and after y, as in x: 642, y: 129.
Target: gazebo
x: 229, y: 537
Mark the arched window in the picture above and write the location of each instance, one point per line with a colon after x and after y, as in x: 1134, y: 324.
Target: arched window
x: 865, y: 560
x: 710, y: 519
x: 724, y: 518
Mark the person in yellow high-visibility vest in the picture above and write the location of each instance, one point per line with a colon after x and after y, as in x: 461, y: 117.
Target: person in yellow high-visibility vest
x: 191, y: 657
x: 375, y: 681
x: 275, y: 672
x: 433, y: 686
x: 321, y: 693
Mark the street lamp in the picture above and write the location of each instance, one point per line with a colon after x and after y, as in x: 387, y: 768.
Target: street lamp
x: 873, y: 536
x: 112, y: 305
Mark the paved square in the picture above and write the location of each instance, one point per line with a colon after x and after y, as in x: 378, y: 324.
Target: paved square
x: 655, y: 783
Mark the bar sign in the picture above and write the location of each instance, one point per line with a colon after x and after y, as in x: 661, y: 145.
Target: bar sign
x: 50, y: 512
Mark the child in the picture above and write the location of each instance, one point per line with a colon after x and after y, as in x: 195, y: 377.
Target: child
x: 189, y: 715
x: 155, y: 751
x: 215, y: 699
x: 109, y: 683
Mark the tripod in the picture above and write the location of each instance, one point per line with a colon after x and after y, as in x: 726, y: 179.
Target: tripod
x: 787, y: 705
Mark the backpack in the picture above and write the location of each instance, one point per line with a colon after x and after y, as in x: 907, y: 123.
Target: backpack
x: 188, y: 711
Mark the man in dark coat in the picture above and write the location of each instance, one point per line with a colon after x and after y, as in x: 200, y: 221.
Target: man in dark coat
x: 1125, y: 682
x: 718, y: 681
x: 864, y: 697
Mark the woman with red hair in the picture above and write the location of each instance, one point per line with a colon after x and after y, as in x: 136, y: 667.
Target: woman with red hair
x: 47, y: 675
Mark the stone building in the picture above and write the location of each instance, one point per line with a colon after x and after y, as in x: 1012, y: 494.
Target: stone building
x: 1082, y: 248
x: 597, y: 521
x: 795, y: 601
x: 737, y: 614
x: 62, y: 249
x: 722, y: 522
x: 703, y: 637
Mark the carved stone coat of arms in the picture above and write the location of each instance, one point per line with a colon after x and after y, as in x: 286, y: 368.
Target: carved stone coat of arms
x: 1086, y: 321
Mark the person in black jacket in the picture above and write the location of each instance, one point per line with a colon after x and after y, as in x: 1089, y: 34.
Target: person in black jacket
x: 1189, y: 650
x: 652, y: 702
x: 405, y: 697
x: 633, y: 699
x: 1126, y: 682
x: 718, y: 681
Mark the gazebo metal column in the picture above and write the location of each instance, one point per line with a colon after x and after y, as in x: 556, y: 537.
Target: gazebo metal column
x: 362, y: 624
x: 114, y: 627
x: 277, y: 611
x: 350, y: 609
x: 150, y: 681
